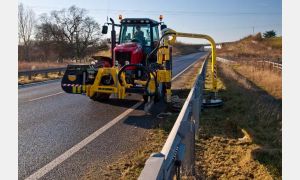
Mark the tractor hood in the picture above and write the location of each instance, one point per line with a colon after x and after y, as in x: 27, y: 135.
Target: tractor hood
x: 131, y: 52
x: 128, y: 47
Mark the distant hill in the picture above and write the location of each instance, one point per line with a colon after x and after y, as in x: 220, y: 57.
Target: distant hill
x: 253, y: 47
x: 180, y: 48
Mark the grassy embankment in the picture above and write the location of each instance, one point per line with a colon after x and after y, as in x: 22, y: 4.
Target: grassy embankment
x: 253, y: 48
x: 242, y: 139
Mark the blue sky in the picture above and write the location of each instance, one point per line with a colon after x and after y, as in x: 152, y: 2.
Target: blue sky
x: 223, y: 20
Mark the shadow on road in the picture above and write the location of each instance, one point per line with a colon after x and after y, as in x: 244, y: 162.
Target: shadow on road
x: 127, y: 103
x: 147, y: 120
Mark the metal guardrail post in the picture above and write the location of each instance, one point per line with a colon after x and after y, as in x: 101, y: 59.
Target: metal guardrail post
x: 187, y: 131
x: 153, y: 167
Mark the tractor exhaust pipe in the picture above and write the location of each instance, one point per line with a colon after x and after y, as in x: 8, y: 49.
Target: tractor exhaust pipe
x: 113, y: 39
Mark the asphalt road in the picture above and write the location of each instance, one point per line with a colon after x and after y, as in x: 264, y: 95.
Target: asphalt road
x: 52, y: 122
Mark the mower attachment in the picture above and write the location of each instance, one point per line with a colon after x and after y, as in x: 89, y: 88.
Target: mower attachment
x: 77, y: 77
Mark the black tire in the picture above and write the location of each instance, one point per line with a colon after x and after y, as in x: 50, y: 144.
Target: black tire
x: 100, y: 97
x: 103, y: 96
x: 94, y: 97
x: 157, y: 98
x: 145, y: 97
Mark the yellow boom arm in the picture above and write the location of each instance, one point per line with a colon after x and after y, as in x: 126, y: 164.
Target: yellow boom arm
x: 175, y: 34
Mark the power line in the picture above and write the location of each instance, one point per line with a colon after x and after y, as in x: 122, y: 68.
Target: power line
x: 167, y: 12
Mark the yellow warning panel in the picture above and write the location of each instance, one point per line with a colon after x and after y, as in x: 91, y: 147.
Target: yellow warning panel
x: 164, y: 76
x: 79, y: 89
x: 74, y: 89
x: 71, y: 77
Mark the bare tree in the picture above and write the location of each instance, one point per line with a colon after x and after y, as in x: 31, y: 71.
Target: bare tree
x: 87, y: 37
x: 26, y: 21
x: 75, y: 32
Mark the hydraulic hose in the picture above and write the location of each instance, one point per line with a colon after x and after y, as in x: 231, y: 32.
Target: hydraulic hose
x: 146, y: 69
x: 157, y: 46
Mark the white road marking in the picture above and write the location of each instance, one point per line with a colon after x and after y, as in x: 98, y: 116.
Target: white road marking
x: 184, y: 70
x: 48, y: 167
x: 44, y: 97
x: 67, y: 154
x: 179, y: 58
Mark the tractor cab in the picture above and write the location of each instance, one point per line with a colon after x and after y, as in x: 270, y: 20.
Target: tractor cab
x: 137, y: 38
x: 143, y: 31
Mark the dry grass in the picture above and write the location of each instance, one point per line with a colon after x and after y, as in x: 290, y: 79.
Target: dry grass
x: 187, y: 79
x: 224, y: 150
x: 131, y: 165
x: 253, y: 48
x: 39, y: 78
x: 22, y: 65
x: 106, y: 53
x: 266, y: 79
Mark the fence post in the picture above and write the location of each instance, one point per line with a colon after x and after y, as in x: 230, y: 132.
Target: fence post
x: 270, y: 65
x: 188, y: 163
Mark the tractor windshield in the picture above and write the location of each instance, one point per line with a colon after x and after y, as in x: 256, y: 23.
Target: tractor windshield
x: 139, y: 33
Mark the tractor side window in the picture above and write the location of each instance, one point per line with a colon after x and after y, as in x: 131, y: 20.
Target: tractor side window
x: 155, y: 33
x: 146, y: 30
x: 126, y: 34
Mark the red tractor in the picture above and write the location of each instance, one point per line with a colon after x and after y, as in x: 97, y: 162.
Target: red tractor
x: 137, y: 38
x: 134, y: 58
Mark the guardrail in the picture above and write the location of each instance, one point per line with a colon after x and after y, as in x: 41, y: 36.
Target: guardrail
x: 178, y: 152
x: 262, y: 64
x: 40, y: 71
x: 273, y: 64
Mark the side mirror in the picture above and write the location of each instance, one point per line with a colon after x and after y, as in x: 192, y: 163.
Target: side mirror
x: 104, y: 29
x: 163, y: 26
x: 172, y: 39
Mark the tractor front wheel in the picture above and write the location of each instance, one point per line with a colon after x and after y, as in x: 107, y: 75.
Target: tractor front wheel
x: 100, y: 97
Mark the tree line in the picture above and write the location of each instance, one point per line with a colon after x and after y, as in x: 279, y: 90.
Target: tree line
x: 61, y: 34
